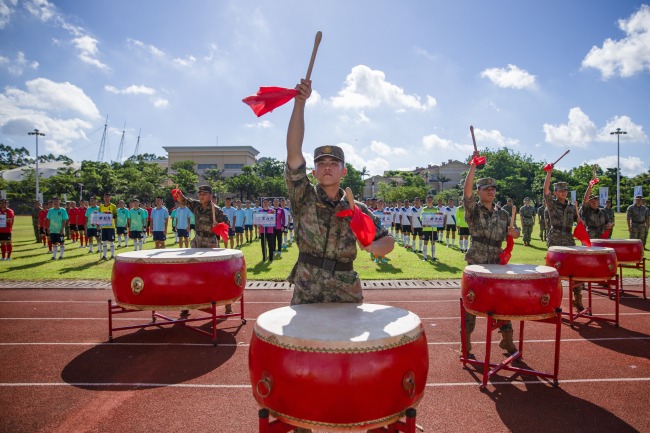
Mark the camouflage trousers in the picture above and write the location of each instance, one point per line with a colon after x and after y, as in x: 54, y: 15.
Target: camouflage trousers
x: 542, y: 232
x: 315, y: 285
x: 528, y: 232
x: 638, y: 231
x: 470, y: 324
x: 204, y: 242
x: 37, y: 233
x: 556, y: 238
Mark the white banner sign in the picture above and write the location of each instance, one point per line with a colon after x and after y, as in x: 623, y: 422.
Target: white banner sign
x: 433, y: 220
x: 3, y: 221
x: 603, y: 195
x: 386, y: 220
x: 264, y: 219
x: 65, y: 198
x: 101, y: 219
x: 638, y: 190
x: 573, y: 196
x: 3, y: 194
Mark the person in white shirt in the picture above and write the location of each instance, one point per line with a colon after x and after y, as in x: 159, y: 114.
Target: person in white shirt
x: 405, y: 215
x: 416, y: 224
x: 450, y: 222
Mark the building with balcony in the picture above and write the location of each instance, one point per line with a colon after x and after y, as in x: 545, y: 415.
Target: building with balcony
x: 229, y: 159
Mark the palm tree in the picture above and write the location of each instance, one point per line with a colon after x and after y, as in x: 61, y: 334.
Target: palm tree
x: 443, y: 179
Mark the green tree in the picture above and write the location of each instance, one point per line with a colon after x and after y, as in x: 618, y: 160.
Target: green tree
x: 353, y: 180
x: 246, y: 185
x: 12, y: 158
x: 269, y: 167
x: 187, y: 165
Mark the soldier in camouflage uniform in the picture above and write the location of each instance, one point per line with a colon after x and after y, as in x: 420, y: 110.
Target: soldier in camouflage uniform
x: 327, y: 246
x: 204, y: 237
x: 637, y: 219
x: 508, y: 208
x: 489, y: 227
x: 541, y: 221
x: 527, y: 215
x: 611, y: 216
x: 594, y: 217
x: 561, y: 216
x: 36, y: 210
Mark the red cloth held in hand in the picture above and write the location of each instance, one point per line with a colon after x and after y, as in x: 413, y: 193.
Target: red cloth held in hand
x: 221, y: 230
x: 581, y: 234
x: 361, y: 224
x: 478, y: 161
x: 176, y: 193
x: 594, y: 181
x: 548, y: 167
x: 269, y: 98
x: 606, y: 234
x: 507, y: 253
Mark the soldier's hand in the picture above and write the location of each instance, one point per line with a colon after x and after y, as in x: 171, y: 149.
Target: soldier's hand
x: 350, y: 196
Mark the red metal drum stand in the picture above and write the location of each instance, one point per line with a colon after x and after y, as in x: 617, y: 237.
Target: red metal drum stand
x: 588, y: 311
x: 637, y: 265
x: 490, y: 369
x: 114, y: 309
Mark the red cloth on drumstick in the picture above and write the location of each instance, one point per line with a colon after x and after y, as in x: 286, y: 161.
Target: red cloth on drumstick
x: 548, y: 167
x: 221, y: 230
x: 507, y: 253
x: 478, y: 161
x: 176, y: 192
x: 581, y: 234
x: 594, y: 181
x: 361, y: 224
x: 269, y: 98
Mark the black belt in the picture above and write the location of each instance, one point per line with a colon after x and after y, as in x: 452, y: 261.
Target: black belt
x: 486, y: 241
x: 567, y: 230
x: 327, y: 264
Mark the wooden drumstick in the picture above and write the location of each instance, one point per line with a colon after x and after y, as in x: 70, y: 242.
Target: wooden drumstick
x: 595, y: 166
x: 563, y: 155
x: 319, y: 36
x: 350, y: 196
x: 513, y: 216
x: 471, y: 129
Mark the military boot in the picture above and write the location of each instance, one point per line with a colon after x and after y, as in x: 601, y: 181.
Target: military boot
x: 468, y: 344
x: 577, y: 299
x: 506, y: 342
x: 228, y: 308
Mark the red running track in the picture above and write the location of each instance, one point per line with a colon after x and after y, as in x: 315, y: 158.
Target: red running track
x: 59, y: 374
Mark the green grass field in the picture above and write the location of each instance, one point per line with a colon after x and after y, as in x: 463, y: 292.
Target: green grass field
x: 32, y: 262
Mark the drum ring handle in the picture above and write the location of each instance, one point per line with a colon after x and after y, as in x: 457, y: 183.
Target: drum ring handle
x: 611, y: 267
x: 267, y: 381
x: 557, y: 265
x: 545, y: 299
x: 470, y: 297
x: 137, y: 284
x: 408, y: 383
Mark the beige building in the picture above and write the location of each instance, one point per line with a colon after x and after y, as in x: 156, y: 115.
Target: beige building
x: 444, y: 176
x: 229, y: 159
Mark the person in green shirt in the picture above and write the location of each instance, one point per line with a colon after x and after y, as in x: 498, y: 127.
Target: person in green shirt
x: 55, y: 222
x: 463, y: 228
x: 120, y: 224
x: 137, y: 222
x: 428, y: 232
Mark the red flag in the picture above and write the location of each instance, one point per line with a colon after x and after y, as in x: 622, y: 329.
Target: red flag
x: 361, y: 224
x: 478, y: 161
x: 606, y: 234
x: 176, y: 193
x: 594, y: 181
x: 507, y: 253
x: 269, y: 98
x: 221, y: 230
x: 581, y: 234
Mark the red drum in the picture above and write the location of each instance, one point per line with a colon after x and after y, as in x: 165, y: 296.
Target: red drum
x: 338, y: 366
x: 583, y: 263
x: 628, y: 251
x: 178, y: 278
x: 511, y: 292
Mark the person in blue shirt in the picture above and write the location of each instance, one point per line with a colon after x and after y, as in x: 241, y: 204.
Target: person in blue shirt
x: 248, y: 221
x: 238, y: 223
x: 121, y: 223
x: 229, y: 210
x: 183, y: 225
x: 160, y: 220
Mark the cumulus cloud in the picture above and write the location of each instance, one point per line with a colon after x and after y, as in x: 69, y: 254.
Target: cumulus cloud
x: 434, y: 143
x: 367, y: 88
x: 579, y: 130
x: 87, y: 51
x: 634, y: 132
x: 630, y: 166
x: 131, y: 90
x: 627, y: 56
x: 6, y: 9
x: 187, y: 61
x: 149, y: 49
x: 486, y: 137
x: 511, y: 77
x: 264, y: 124
x: 18, y: 64
x: 47, y: 95
x: 384, y: 149
x: 160, y: 102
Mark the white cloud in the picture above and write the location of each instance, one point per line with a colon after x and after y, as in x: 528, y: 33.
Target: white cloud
x: 627, y: 56
x: 367, y: 88
x: 579, y: 131
x: 187, y: 61
x: 485, y: 137
x: 434, y: 143
x: 314, y: 99
x: 42, y: 9
x: 87, y: 49
x: 634, y: 132
x: 6, y: 11
x: 47, y: 95
x: 131, y: 90
x: 510, y: 77
x: 264, y: 124
x: 630, y: 166
x: 149, y: 49
x: 384, y: 149
x: 160, y: 102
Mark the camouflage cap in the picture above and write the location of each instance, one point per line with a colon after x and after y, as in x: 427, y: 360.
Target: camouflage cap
x: 594, y: 197
x: 331, y: 151
x: 560, y: 186
x: 205, y: 188
x: 485, y: 182
x: 638, y: 196
x: 527, y: 199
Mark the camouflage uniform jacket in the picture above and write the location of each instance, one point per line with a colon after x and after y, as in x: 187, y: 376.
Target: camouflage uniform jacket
x: 527, y: 215
x: 508, y: 209
x: 637, y: 214
x: 204, y: 237
x: 488, y: 229
x: 595, y: 220
x: 561, y: 218
x: 320, y: 233
x: 611, y: 216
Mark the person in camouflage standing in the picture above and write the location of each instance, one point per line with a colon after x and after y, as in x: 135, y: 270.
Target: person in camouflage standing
x: 36, y: 210
x: 203, y: 211
x: 527, y: 215
x: 508, y: 208
x: 489, y: 227
x: 561, y: 216
x: 594, y: 217
x: 609, y: 210
x: 637, y: 219
x: 542, y: 222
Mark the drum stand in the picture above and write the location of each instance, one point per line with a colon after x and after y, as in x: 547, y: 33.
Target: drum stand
x: 212, y: 311
x: 493, y: 324
x: 588, y: 312
x: 277, y: 426
x: 637, y: 265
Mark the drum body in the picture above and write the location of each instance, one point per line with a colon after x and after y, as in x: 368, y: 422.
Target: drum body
x: 178, y: 278
x: 511, y: 292
x: 583, y: 263
x: 628, y: 251
x: 338, y: 366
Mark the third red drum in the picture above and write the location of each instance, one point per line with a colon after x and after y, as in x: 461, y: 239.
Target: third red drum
x: 338, y: 366
x: 511, y: 292
x: 583, y: 263
x: 628, y: 251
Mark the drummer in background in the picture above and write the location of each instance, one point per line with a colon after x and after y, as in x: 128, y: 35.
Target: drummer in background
x: 561, y: 216
x: 324, y: 271
x: 637, y: 219
x: 541, y: 221
x: 489, y: 227
x: 204, y: 237
x: 610, y: 215
x: 595, y: 218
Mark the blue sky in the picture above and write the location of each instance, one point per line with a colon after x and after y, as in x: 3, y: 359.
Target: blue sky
x: 396, y: 83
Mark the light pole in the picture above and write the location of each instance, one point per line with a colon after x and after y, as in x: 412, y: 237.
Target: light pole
x: 618, y: 133
x: 81, y: 190
x: 36, y: 132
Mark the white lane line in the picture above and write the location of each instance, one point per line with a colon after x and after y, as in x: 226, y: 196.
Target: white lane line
x: 241, y: 386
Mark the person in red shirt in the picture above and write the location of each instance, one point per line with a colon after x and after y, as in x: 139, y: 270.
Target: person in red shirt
x: 73, y: 211
x: 41, y: 225
x: 81, y: 223
x: 6, y: 224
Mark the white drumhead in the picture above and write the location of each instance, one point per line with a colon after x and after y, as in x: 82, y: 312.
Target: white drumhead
x: 582, y: 250
x: 512, y: 271
x: 179, y: 255
x: 334, y: 327
x: 618, y: 241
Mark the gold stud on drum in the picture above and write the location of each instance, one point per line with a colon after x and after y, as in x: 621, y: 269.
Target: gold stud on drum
x: 137, y: 284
